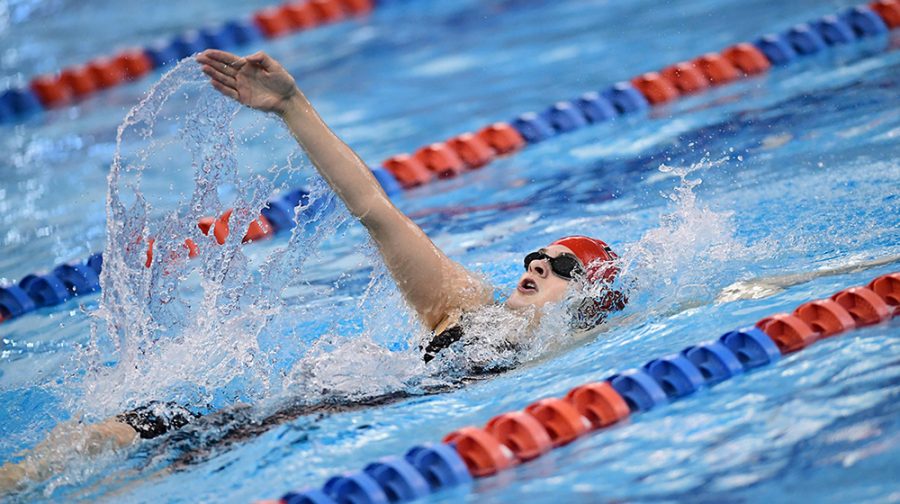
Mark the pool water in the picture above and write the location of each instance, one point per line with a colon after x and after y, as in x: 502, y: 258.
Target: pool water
x: 778, y: 177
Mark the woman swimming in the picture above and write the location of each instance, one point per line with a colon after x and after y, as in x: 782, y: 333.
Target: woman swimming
x: 440, y: 290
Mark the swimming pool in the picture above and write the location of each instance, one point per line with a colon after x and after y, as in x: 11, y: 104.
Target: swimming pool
x: 799, y: 173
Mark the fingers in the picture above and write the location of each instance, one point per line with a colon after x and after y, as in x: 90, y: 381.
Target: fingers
x: 221, y: 61
x: 225, y: 90
x: 216, y: 58
x: 221, y: 77
x: 263, y: 60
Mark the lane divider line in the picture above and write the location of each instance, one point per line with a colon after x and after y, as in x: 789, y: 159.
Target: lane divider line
x: 78, y: 82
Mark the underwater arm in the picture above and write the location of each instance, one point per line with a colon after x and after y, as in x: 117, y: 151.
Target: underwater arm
x: 429, y: 280
x: 66, y: 443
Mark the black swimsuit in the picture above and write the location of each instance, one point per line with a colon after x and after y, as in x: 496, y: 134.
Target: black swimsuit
x: 157, y: 418
x: 441, y: 341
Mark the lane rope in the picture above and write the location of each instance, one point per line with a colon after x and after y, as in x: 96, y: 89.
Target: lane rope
x: 77, y: 82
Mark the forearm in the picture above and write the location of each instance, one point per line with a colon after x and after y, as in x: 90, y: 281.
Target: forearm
x: 345, y: 172
x: 65, y: 443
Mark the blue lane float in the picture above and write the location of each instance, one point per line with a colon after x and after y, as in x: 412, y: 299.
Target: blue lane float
x: 865, y: 22
x: 18, y: 104
x: 533, y: 127
x: 308, y: 496
x: 424, y: 469
x: 387, y: 180
x: 805, y: 40
x: 640, y: 391
x: 242, y: 31
x: 776, y: 48
x: 45, y: 290
x: 752, y: 347
x: 14, y: 302
x: 595, y: 107
x: 400, y: 481
x: 564, y: 117
x: 676, y: 375
x: 78, y: 279
x: 834, y: 30
x: 439, y: 464
x: 358, y: 488
x: 714, y: 361
x: 625, y: 98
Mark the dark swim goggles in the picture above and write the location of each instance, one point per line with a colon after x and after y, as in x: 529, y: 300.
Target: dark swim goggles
x: 564, y: 265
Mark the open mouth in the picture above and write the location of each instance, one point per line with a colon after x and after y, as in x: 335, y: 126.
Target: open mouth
x: 528, y: 286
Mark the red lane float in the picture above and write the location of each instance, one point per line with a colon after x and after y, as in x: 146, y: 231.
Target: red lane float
x: 865, y: 306
x: 258, y: 229
x: 50, y: 91
x: 747, y: 58
x: 826, y: 317
x: 481, y: 452
x: 502, y: 137
x: 521, y: 433
x: 440, y: 159
x: 655, y: 88
x: 358, y: 7
x: 717, y: 69
x: 686, y: 77
x: 473, y: 150
x: 329, y: 11
x: 79, y: 80
x: 888, y: 287
x: 300, y: 16
x: 889, y: 11
x: 599, y: 403
x: 106, y: 72
x: 409, y: 171
x: 135, y: 62
x: 788, y: 331
x: 272, y: 22
x: 561, y: 420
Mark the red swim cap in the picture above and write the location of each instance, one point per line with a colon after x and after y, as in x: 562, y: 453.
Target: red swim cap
x: 594, y: 254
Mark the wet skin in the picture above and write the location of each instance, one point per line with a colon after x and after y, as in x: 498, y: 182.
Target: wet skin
x: 539, y: 285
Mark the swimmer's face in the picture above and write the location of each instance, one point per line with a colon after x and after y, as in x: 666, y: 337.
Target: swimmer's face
x: 539, y: 285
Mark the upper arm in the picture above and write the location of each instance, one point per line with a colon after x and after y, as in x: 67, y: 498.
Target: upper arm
x: 431, y: 282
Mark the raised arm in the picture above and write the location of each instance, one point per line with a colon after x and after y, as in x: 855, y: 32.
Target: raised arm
x: 430, y: 281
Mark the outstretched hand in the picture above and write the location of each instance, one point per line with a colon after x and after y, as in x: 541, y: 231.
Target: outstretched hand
x: 257, y: 81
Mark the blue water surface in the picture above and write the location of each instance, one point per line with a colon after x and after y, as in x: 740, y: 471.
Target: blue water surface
x: 799, y: 176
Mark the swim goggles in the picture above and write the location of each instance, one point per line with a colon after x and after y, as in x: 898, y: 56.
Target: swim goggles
x: 564, y: 265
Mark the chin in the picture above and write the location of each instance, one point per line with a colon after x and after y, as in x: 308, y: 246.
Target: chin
x: 516, y: 302
x: 519, y: 302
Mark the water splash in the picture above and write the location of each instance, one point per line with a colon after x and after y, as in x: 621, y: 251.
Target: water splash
x: 191, y: 330
x: 686, y: 259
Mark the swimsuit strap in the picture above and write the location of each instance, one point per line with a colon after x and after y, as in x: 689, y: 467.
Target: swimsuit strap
x: 441, y: 341
x: 156, y: 418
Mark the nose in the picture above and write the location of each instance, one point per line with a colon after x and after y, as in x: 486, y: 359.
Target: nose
x: 539, y: 267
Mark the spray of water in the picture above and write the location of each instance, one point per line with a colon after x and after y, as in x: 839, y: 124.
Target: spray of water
x: 190, y: 329
x: 685, y: 260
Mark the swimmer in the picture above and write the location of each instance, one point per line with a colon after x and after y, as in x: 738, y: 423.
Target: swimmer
x: 439, y: 289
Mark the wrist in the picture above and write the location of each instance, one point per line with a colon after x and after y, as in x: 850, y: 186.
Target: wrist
x: 293, y: 105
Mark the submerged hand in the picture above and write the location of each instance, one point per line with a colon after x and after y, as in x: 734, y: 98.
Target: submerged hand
x: 257, y: 81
